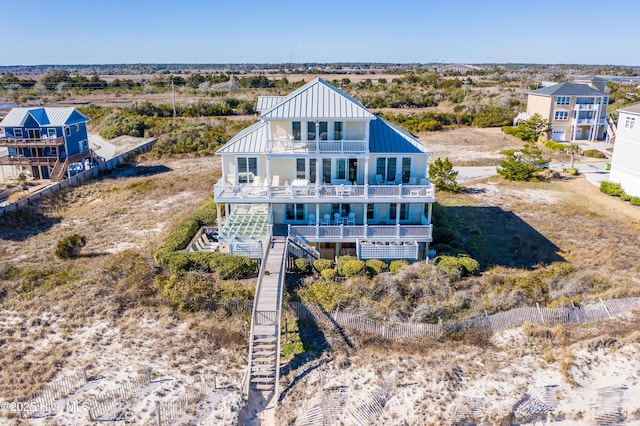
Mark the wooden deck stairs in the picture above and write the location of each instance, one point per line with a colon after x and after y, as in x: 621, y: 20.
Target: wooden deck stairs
x: 59, y: 169
x: 261, y: 386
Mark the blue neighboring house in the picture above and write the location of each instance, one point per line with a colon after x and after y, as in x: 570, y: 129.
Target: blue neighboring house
x: 46, y: 143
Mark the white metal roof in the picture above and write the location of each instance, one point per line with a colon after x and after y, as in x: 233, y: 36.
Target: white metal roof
x: 318, y: 100
x: 631, y: 109
x: 265, y: 103
x: 249, y: 140
x: 48, y: 116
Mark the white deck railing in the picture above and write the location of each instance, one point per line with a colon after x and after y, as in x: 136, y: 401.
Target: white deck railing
x: 293, y: 146
x: 224, y: 191
x: 359, y: 232
x: 251, y: 249
x: 388, y: 251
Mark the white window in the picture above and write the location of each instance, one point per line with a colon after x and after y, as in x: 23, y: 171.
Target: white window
x: 341, y: 169
x: 561, y: 115
x: 404, y: 212
x: 51, y: 132
x: 386, y: 167
x: 337, y: 131
x: 630, y: 123
x: 77, y: 127
x: 247, y: 169
x: 67, y: 131
x: 563, y: 100
x: 294, y: 211
x: 323, y: 128
x: 296, y: 130
x: 306, y: 169
x: 17, y: 133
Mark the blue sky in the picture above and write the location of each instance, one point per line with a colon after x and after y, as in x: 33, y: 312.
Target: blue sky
x: 248, y: 31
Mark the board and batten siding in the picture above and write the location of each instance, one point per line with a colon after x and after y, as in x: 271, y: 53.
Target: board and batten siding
x: 625, y: 168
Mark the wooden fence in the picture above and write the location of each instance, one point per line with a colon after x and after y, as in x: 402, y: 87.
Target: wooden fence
x: 59, y: 389
x: 76, y: 179
x: 493, y: 323
x: 112, y: 398
x: 187, y: 401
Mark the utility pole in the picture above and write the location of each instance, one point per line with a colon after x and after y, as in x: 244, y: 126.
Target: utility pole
x: 173, y: 98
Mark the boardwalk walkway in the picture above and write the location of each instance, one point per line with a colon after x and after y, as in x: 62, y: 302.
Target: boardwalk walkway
x: 264, y: 348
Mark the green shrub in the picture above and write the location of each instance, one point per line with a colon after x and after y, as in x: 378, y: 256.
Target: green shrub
x: 184, y: 231
x: 352, y: 268
x: 302, y: 265
x: 322, y: 264
x: 178, y: 262
x: 572, y: 172
x: 375, y: 266
x: 341, y: 262
x: 625, y: 197
x: 325, y: 293
x: 593, y: 153
x: 395, y: 265
x: 194, y: 291
x: 610, y: 188
x: 232, y: 267
x: 556, y: 146
x: 329, y: 274
x: 70, y: 247
x: 635, y: 201
x: 471, y: 266
x: 457, y: 266
x: 118, y: 125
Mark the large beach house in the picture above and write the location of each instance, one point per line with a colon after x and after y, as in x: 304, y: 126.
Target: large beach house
x: 576, y: 111
x: 45, y: 143
x: 321, y: 169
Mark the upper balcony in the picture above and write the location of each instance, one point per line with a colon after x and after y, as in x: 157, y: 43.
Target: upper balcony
x: 31, y: 142
x: 290, y: 146
x: 27, y: 161
x: 301, y: 191
x: 586, y: 107
x: 589, y: 121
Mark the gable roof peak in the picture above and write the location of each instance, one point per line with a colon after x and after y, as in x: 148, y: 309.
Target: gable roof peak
x: 318, y: 99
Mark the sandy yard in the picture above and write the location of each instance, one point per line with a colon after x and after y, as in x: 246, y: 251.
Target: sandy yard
x: 431, y: 383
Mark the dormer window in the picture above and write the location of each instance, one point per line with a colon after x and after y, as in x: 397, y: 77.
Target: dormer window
x: 17, y: 133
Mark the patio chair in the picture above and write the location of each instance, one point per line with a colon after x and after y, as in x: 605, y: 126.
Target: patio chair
x: 312, y: 219
x: 275, y: 180
x: 412, y: 181
x: 326, y: 219
x: 379, y: 180
x: 337, y: 219
x: 351, y: 219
